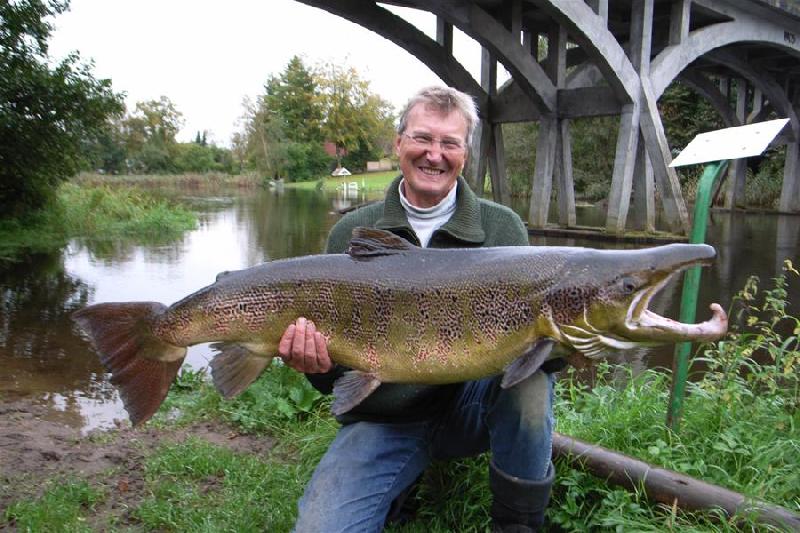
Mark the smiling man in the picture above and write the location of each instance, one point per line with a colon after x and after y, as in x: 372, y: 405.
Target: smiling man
x: 387, y: 441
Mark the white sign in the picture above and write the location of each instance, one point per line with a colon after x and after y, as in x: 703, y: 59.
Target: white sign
x: 730, y: 143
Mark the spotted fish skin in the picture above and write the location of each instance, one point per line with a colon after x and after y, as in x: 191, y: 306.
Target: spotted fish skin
x: 398, y: 313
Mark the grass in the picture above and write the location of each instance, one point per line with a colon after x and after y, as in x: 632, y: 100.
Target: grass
x: 63, y: 507
x: 741, y: 430
x: 121, y: 212
x: 96, y: 213
x: 369, y: 181
x: 189, y: 180
x: 196, y: 486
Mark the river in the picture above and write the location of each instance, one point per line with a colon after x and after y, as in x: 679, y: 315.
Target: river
x: 43, y: 359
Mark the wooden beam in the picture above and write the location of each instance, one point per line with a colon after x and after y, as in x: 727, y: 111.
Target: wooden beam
x: 643, y: 217
x: 543, y: 173
x: 565, y: 183
x: 511, y: 105
x: 497, y: 167
x: 399, y: 31
x: 679, y: 21
x: 666, y: 486
x: 444, y: 34
x: 734, y: 195
x: 600, y: 7
x: 619, y: 196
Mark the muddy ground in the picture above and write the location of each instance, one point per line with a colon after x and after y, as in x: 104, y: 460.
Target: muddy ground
x: 34, y: 450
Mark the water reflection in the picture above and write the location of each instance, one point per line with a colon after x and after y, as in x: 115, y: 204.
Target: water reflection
x: 43, y: 358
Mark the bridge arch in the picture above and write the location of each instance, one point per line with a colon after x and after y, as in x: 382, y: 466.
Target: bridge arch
x: 623, y: 54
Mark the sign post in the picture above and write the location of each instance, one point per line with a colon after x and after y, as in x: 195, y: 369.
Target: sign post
x: 716, y: 148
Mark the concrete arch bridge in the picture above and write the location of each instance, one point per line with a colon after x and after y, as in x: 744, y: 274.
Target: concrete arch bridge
x: 609, y: 57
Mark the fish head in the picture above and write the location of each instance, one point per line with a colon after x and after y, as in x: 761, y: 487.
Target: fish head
x: 615, y: 289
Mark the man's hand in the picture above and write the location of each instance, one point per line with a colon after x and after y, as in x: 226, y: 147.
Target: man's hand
x: 304, y: 348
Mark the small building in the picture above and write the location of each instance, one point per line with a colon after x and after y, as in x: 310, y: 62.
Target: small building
x: 340, y: 171
x: 381, y: 165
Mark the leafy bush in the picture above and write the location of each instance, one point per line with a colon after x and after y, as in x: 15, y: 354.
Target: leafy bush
x: 47, y: 110
x: 307, y: 162
x: 116, y: 211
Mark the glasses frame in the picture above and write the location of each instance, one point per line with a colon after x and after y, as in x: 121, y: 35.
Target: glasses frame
x: 423, y: 140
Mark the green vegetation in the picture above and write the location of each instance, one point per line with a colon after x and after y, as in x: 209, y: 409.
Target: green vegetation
x: 302, y: 108
x: 95, y: 213
x: 197, y: 486
x: 370, y: 182
x: 120, y: 211
x: 741, y: 430
x: 48, y: 110
x: 143, y: 141
x: 188, y: 180
x: 62, y: 507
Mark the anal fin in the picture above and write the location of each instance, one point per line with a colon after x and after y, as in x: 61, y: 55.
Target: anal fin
x: 528, y: 363
x: 236, y: 367
x: 351, y: 389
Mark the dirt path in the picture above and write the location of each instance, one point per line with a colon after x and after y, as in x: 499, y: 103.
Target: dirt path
x: 34, y: 450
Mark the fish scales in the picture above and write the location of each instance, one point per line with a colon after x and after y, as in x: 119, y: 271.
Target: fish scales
x: 364, y: 306
x: 398, y: 313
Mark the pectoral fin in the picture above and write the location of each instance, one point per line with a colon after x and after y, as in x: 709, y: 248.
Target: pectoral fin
x: 351, y: 389
x: 528, y: 363
x: 236, y: 366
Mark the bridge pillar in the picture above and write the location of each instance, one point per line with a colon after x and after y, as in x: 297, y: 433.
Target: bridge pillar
x: 479, y: 155
x: 624, y: 161
x: 644, y: 201
x: 644, y: 204
x: 543, y: 172
x: 554, y: 147
x: 737, y: 170
x: 790, y: 191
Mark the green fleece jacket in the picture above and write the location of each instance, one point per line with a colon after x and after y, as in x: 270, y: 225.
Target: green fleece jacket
x: 475, y: 223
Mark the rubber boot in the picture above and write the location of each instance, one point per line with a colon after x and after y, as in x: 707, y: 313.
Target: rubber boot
x: 518, y: 505
x: 404, y: 507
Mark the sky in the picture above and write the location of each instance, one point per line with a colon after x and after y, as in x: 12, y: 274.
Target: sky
x: 206, y: 56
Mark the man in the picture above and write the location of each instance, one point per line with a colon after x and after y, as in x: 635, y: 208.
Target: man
x: 386, y: 442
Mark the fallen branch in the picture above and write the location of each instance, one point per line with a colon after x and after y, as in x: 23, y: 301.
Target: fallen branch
x: 666, y: 486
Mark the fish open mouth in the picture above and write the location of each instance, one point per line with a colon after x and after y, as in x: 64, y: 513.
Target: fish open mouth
x: 643, y: 327
x: 642, y: 323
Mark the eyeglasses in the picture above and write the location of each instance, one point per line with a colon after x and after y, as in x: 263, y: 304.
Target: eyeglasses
x: 422, y: 140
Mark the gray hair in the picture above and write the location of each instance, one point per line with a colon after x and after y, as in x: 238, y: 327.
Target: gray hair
x: 445, y: 100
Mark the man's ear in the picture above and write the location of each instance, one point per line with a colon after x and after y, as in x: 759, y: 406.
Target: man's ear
x: 397, y: 140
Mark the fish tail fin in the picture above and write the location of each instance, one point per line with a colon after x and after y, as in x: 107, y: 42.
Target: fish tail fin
x: 235, y: 367
x: 142, y: 366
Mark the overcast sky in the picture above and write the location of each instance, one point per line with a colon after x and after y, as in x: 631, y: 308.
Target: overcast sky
x: 207, y: 55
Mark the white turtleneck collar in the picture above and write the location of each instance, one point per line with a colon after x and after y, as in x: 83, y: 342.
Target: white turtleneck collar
x: 426, y: 220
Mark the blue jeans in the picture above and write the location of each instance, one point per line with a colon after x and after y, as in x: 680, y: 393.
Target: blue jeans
x: 369, y: 464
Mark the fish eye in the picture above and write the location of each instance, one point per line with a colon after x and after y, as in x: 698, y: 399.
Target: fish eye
x: 628, y: 285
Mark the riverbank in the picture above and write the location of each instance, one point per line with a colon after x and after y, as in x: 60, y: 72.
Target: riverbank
x: 208, y: 464
x: 209, y: 180
x: 95, y: 212
x: 368, y: 181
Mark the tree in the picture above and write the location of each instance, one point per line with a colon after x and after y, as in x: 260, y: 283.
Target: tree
x: 47, y: 113
x: 265, y: 145
x: 284, y: 130
x: 355, y: 119
x: 149, y: 134
x: 292, y: 98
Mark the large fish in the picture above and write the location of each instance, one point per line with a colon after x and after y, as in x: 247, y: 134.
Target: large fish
x: 394, y: 312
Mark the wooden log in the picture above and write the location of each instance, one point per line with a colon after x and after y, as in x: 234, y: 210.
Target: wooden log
x: 666, y: 486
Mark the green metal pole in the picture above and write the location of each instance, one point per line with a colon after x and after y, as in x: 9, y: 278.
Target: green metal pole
x: 691, y: 286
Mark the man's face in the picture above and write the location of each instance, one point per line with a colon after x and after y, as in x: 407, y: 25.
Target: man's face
x: 430, y: 169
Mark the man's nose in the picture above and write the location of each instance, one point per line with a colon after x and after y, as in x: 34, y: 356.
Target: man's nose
x: 434, y: 151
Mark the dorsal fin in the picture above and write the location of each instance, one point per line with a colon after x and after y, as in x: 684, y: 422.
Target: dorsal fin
x: 370, y: 242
